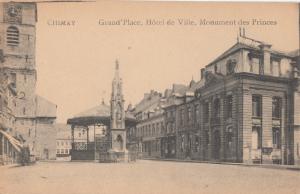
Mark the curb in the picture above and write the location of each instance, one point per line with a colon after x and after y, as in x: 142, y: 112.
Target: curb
x: 268, y: 166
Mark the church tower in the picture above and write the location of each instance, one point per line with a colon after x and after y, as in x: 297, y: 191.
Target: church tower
x: 117, y: 123
x: 17, y: 53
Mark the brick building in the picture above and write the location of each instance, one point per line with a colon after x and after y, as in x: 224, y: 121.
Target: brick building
x: 146, y: 134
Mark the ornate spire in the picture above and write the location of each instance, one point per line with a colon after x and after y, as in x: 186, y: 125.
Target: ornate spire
x: 117, y: 101
x: 117, y: 70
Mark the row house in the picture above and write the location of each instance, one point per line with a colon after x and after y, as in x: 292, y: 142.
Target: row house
x: 10, y: 143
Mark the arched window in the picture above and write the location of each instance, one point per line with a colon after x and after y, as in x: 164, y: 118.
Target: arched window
x: 120, y: 142
x: 12, y: 36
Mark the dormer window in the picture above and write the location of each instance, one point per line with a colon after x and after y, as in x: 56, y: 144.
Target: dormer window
x: 275, y: 68
x: 255, y: 66
x: 216, y: 68
x: 12, y: 36
x: 230, y: 66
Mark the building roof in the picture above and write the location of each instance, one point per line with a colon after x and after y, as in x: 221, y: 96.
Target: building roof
x: 63, y: 131
x: 100, y: 113
x: 45, y: 108
x: 102, y: 110
x: 247, y: 43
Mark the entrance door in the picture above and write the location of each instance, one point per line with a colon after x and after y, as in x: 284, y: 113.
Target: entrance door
x: 46, y: 154
x: 217, y: 144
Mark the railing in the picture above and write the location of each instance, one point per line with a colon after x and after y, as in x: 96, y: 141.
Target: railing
x: 83, y: 146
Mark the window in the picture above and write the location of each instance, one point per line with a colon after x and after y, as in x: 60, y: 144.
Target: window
x: 229, y: 106
x: 12, y: 36
x: 197, y: 113
x: 205, y: 112
x: 276, y: 137
x: 229, y: 135
x: 57, y: 151
x: 216, y: 68
x: 255, y: 65
x: 189, y: 117
x: 230, y: 66
x: 275, y: 68
x: 29, y: 132
x: 276, y: 107
x: 197, y: 143
x: 217, y: 108
x: 24, y: 111
x: 182, y: 143
x: 256, y: 137
x: 256, y: 106
x: 206, y: 137
x: 181, y: 116
x: 153, y: 129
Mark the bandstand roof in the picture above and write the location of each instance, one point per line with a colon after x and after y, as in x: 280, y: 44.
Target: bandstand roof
x: 99, y: 115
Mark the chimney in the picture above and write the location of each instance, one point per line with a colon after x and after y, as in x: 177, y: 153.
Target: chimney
x: 266, y: 49
x: 202, y: 73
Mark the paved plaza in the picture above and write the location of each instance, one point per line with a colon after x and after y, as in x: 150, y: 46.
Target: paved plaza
x: 145, y: 177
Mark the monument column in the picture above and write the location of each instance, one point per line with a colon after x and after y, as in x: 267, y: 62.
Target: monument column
x: 117, y: 131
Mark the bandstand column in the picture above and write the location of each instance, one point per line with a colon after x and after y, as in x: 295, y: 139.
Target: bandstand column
x: 87, y: 135
x: 72, y: 132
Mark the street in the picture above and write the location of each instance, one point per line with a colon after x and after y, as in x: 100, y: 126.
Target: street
x: 145, y: 177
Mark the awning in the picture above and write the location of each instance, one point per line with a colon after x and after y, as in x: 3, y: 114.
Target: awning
x: 14, y: 142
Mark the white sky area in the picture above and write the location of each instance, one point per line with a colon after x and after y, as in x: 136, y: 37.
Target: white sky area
x: 75, y: 64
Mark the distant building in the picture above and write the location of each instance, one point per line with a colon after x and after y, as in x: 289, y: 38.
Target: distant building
x: 45, y: 119
x: 63, y: 142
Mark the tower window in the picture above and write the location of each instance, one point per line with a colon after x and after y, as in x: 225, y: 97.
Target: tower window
x: 12, y: 36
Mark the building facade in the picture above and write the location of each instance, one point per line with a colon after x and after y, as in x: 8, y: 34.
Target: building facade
x: 45, y: 119
x: 245, y: 109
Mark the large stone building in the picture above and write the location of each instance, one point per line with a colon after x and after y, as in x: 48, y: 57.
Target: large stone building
x: 249, y: 105
x: 17, y: 53
x: 244, y: 109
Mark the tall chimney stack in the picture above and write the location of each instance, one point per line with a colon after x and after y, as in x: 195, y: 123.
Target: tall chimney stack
x: 266, y: 49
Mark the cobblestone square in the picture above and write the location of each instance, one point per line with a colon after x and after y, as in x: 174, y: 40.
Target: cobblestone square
x: 145, y: 177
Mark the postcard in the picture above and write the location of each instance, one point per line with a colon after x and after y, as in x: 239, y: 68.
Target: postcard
x: 149, y: 97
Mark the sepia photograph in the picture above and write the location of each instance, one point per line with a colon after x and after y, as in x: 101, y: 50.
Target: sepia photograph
x: 149, y: 97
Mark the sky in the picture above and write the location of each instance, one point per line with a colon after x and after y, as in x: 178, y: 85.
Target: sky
x: 75, y: 64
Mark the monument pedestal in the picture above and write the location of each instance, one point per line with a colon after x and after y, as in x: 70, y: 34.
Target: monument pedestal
x: 118, y: 156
